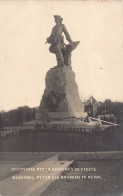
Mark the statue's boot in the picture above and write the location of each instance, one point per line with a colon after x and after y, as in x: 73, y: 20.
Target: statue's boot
x: 59, y: 58
x: 60, y: 63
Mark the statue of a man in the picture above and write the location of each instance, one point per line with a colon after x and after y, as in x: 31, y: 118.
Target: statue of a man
x: 57, y: 40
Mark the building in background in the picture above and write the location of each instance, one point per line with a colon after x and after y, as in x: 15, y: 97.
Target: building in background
x: 91, y: 106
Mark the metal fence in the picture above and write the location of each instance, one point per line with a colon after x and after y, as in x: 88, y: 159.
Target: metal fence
x: 61, y: 140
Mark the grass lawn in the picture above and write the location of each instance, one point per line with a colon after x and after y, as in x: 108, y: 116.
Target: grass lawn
x: 110, y: 182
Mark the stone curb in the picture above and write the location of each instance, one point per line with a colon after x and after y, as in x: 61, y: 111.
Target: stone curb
x: 83, y: 156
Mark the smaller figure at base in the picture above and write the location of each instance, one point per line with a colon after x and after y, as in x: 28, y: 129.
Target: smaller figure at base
x: 57, y: 40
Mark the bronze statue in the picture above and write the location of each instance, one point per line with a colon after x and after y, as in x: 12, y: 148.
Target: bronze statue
x: 58, y: 47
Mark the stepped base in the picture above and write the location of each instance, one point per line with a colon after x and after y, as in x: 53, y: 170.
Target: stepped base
x: 60, y: 115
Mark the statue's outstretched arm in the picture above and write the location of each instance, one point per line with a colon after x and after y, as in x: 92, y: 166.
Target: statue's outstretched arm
x: 66, y: 34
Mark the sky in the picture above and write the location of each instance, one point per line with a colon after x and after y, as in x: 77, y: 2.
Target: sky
x: 25, y: 59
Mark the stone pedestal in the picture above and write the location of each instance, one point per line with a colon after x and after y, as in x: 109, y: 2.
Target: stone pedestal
x: 61, y: 97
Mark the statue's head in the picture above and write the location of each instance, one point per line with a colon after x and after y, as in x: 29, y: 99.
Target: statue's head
x: 58, y: 19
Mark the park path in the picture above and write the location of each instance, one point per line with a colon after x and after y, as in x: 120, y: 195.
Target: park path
x: 9, y: 160
x: 35, y: 180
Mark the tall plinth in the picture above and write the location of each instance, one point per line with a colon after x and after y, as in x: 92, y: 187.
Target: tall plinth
x: 61, y: 97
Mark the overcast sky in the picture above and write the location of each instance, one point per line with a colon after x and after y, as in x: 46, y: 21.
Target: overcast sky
x: 25, y: 59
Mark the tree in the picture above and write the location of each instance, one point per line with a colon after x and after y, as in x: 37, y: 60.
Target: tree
x: 1, y: 122
x: 27, y: 119
x: 19, y: 117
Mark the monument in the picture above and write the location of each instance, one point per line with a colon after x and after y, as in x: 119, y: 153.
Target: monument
x: 61, y: 97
